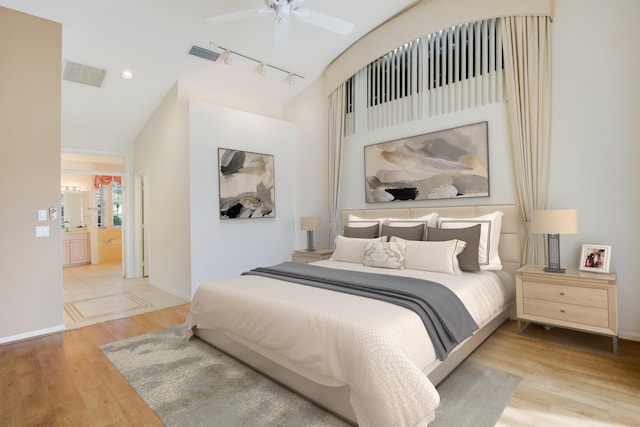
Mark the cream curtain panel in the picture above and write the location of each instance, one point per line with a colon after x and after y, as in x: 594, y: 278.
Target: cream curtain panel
x: 527, y: 52
x: 336, y: 132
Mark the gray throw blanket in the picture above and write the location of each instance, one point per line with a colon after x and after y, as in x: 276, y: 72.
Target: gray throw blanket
x: 445, y: 317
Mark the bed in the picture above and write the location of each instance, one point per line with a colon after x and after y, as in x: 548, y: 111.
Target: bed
x: 370, y: 362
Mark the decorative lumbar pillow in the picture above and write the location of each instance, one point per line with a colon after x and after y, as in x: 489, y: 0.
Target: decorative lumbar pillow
x: 351, y: 249
x: 414, y: 232
x: 362, y: 232
x: 491, y: 225
x: 471, y: 235
x: 430, y: 220
x: 385, y: 254
x: 440, y: 257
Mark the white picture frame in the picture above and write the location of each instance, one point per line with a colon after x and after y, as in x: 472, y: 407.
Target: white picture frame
x: 595, y: 258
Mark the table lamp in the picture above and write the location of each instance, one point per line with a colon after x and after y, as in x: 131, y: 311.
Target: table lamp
x: 553, y: 223
x: 309, y: 224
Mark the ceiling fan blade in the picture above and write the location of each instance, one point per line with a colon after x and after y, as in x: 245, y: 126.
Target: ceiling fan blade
x: 234, y: 16
x: 321, y: 20
x: 280, y: 34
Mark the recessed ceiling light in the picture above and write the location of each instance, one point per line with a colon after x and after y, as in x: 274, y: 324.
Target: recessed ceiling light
x: 126, y: 74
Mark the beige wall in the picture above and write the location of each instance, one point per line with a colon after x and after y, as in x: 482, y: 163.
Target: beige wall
x: 31, y: 295
x: 110, y: 245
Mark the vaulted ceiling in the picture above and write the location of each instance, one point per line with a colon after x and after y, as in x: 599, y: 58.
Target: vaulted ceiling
x: 152, y: 38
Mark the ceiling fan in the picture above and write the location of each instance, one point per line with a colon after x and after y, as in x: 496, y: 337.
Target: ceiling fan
x: 284, y: 9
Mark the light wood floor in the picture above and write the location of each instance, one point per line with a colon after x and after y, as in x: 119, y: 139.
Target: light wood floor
x: 65, y: 380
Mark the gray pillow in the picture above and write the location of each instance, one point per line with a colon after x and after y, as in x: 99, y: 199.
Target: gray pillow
x: 468, y: 259
x: 414, y: 232
x: 362, y: 232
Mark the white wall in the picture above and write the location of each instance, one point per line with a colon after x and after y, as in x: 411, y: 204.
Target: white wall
x: 596, y: 136
x: 226, y: 248
x: 309, y: 111
x: 162, y: 149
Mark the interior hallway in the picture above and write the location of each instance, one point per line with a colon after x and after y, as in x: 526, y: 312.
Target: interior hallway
x: 97, y: 293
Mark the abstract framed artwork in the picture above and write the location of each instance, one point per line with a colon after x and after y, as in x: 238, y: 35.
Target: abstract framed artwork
x: 448, y: 164
x: 247, y: 184
x: 595, y: 258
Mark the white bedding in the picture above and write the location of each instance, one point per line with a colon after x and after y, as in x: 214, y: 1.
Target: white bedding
x: 379, y: 350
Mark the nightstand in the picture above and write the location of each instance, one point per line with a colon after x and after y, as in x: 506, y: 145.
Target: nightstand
x: 304, y: 257
x: 576, y: 299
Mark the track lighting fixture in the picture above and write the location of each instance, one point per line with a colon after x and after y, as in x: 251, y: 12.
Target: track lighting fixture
x: 227, y: 57
x: 262, y: 66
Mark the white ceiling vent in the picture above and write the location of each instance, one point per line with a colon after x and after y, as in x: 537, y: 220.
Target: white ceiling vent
x: 203, y: 53
x: 84, y: 74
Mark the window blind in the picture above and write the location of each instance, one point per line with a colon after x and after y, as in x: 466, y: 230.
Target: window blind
x: 450, y: 70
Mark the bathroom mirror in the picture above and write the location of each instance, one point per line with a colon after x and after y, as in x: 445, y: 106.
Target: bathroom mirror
x: 72, y: 209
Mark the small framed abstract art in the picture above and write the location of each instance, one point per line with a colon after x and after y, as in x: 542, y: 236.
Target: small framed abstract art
x: 247, y: 184
x: 595, y: 258
x: 448, y: 164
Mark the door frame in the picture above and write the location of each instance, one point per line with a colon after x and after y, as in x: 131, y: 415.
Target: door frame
x: 140, y: 224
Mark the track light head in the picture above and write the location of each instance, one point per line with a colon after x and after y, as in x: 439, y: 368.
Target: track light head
x: 227, y: 57
x: 291, y: 79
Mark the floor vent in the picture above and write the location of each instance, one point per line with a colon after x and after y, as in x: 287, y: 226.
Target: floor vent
x: 84, y: 74
x: 203, y: 53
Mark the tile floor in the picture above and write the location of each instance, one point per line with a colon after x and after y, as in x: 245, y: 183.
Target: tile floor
x: 97, y: 293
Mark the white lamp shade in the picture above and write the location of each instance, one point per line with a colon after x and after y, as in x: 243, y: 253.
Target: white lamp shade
x: 310, y: 223
x: 564, y: 221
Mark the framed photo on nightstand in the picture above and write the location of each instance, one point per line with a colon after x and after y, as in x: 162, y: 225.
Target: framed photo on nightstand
x: 595, y: 258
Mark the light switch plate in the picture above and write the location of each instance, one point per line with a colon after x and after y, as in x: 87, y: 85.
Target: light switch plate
x: 42, y: 231
x: 42, y: 214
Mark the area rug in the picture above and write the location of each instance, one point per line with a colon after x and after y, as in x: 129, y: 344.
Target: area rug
x: 189, y: 383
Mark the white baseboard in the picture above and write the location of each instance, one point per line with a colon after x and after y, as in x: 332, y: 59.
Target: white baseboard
x: 32, y: 334
x: 170, y: 291
x: 632, y: 336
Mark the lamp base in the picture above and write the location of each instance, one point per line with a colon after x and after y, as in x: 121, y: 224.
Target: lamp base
x: 554, y: 270
x: 310, y: 247
x: 553, y: 258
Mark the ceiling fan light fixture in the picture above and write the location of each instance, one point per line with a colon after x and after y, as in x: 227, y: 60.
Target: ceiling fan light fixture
x: 283, y: 9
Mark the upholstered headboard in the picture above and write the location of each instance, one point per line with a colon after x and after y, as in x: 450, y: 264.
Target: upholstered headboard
x: 509, y: 247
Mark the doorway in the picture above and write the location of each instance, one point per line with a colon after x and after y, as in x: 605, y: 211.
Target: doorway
x: 93, y: 202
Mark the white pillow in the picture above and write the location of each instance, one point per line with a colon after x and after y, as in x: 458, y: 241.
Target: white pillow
x: 385, y: 254
x: 490, y: 228
x: 441, y: 257
x: 430, y: 219
x: 350, y: 249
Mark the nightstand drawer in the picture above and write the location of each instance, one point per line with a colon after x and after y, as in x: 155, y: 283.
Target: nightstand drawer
x: 566, y: 294
x: 567, y: 312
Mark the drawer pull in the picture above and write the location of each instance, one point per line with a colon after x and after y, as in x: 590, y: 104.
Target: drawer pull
x: 561, y: 294
x: 562, y: 310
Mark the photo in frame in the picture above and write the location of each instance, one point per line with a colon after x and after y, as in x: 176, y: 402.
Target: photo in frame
x: 448, y: 164
x: 246, y: 184
x: 595, y: 258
